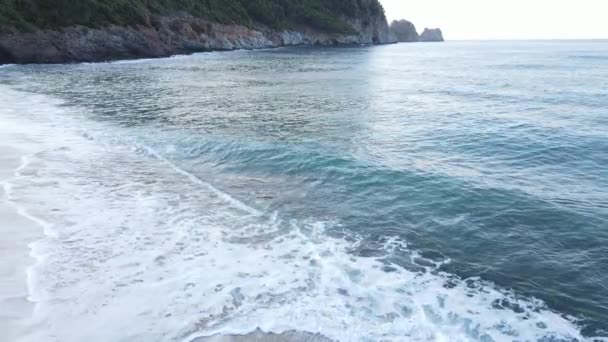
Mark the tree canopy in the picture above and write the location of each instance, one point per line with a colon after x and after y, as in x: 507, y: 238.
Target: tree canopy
x: 326, y: 15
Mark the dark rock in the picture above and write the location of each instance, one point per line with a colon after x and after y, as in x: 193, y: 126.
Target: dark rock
x: 6, y: 57
x: 404, y: 31
x: 431, y: 35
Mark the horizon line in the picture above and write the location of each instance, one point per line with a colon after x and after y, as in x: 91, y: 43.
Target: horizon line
x: 525, y: 39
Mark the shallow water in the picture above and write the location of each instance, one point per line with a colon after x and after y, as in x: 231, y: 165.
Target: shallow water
x: 452, y: 191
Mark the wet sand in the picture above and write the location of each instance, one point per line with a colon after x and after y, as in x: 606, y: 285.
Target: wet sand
x: 16, y: 232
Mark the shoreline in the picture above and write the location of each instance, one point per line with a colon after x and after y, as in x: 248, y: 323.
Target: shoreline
x: 144, y: 59
x: 192, y: 53
x: 18, y: 232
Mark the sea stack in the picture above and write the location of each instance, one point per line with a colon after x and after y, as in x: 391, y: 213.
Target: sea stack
x: 431, y: 35
x: 404, y: 31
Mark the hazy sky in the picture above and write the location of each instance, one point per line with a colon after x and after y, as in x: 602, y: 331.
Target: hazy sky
x: 505, y: 19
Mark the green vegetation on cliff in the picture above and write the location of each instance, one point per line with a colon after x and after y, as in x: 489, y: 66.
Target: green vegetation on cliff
x: 328, y: 15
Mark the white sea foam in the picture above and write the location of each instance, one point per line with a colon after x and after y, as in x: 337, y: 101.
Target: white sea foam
x: 142, y: 250
x: 133, y: 61
x: 146, y: 60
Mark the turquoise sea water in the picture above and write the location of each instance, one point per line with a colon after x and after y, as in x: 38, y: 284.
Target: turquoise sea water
x: 451, y: 192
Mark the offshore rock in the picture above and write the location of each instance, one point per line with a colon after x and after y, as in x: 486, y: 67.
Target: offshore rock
x: 404, y: 31
x: 431, y: 35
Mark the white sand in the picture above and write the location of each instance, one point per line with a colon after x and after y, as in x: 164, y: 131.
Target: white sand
x: 16, y: 232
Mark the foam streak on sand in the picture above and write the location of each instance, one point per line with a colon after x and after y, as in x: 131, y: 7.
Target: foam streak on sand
x: 20, y: 229
x: 25, y: 160
x: 17, y: 230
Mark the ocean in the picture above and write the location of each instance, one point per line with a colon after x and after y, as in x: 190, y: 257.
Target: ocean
x: 410, y: 192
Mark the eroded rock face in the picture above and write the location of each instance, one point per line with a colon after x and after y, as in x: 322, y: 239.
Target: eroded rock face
x: 404, y: 31
x: 431, y: 35
x: 6, y: 57
x: 168, y: 36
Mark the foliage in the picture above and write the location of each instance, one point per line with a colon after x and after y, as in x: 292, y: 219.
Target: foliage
x: 329, y: 15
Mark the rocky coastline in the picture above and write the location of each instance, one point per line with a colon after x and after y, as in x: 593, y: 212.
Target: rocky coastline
x: 172, y: 35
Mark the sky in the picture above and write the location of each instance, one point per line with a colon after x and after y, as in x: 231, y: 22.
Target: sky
x: 505, y: 19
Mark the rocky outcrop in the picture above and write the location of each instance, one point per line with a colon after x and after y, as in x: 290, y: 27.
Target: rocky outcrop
x: 404, y: 31
x: 166, y: 36
x: 431, y: 35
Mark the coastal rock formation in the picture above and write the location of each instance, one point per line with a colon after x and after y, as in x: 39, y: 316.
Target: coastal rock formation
x: 404, y: 31
x: 160, y: 35
x: 431, y: 35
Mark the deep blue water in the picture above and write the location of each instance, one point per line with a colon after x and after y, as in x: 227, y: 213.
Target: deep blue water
x: 404, y: 192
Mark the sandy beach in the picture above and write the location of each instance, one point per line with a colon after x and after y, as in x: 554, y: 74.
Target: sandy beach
x: 16, y: 232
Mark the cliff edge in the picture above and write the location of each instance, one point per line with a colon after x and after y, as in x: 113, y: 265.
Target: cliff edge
x: 35, y: 31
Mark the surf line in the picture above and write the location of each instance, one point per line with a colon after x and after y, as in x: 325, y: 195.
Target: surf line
x: 30, y: 274
x: 223, y: 195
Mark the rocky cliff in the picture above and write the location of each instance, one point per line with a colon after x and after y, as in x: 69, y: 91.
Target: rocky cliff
x: 59, y: 34
x: 431, y: 35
